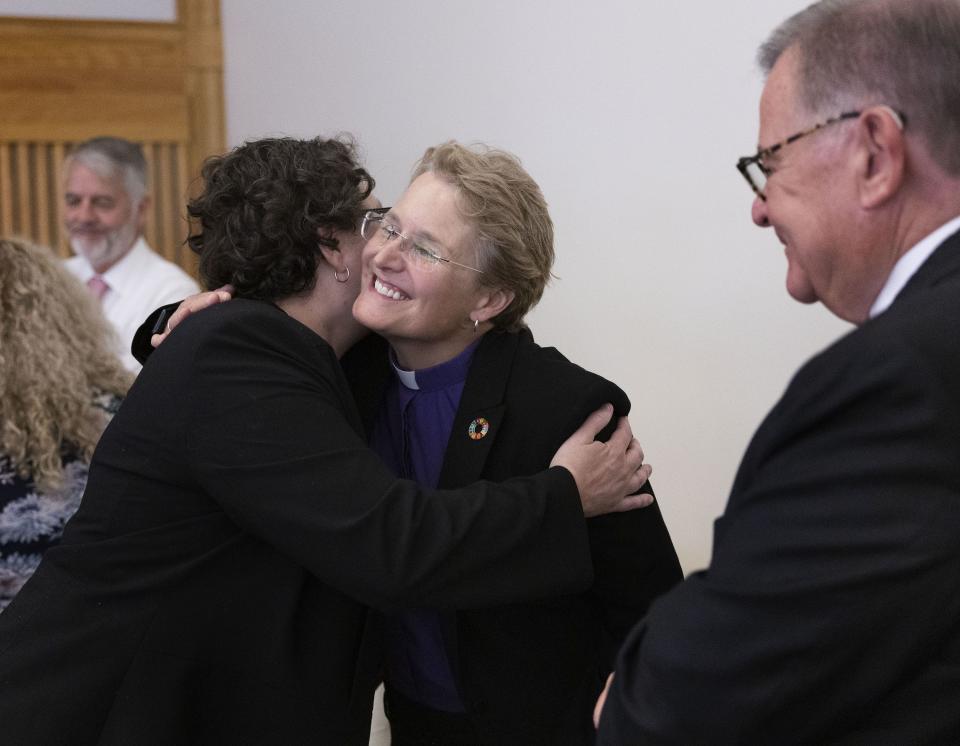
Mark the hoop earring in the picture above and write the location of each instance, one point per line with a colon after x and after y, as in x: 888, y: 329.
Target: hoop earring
x: 346, y: 276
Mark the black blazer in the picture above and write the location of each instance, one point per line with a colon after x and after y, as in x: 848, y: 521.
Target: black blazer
x: 213, y: 587
x: 830, y: 612
x: 530, y: 672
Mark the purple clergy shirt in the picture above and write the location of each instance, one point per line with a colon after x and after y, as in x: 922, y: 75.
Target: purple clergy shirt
x: 411, y: 434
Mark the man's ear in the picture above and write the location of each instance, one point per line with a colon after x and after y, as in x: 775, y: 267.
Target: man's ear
x: 882, y: 154
x: 492, y: 301
x: 143, y: 209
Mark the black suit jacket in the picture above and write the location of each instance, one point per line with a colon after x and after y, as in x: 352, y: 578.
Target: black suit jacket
x: 830, y: 612
x: 213, y: 587
x: 530, y: 672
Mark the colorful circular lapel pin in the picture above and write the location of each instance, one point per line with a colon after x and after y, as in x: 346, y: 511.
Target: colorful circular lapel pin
x: 478, y: 428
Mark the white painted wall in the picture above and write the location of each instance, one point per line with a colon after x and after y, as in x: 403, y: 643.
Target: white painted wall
x: 631, y: 116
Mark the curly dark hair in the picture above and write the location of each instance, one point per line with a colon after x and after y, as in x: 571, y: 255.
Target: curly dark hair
x: 266, y: 208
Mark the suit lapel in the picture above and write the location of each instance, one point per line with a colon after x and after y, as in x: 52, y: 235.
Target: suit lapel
x: 941, y: 264
x: 481, y: 411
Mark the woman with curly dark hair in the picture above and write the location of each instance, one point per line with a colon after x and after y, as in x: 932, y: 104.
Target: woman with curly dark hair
x: 215, y: 585
x: 266, y: 208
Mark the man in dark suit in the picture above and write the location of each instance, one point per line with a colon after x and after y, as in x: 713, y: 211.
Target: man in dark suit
x: 830, y: 611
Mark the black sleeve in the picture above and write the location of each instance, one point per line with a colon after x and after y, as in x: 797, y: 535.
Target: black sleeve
x: 271, y: 444
x: 833, y: 573
x: 141, y: 348
x: 634, y: 559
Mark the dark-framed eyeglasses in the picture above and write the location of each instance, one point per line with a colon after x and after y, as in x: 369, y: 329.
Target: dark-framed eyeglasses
x: 376, y: 226
x: 756, y: 171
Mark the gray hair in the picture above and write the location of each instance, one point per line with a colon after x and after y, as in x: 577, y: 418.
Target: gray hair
x: 112, y: 158
x: 903, y: 53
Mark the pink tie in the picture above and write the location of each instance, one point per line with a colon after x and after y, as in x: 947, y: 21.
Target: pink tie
x: 98, y: 287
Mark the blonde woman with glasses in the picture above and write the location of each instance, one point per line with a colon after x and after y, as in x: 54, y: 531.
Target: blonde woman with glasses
x: 464, y: 393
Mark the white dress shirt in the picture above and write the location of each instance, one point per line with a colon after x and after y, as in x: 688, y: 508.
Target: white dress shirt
x: 140, y: 282
x: 909, y: 263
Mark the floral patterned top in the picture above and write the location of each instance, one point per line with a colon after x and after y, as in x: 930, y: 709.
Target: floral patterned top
x: 32, y: 520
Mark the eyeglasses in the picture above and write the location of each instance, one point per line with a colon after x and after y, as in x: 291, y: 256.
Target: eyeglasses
x: 756, y: 172
x: 375, y: 225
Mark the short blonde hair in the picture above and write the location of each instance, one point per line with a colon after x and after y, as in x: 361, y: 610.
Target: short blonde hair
x: 55, y: 356
x: 507, y: 208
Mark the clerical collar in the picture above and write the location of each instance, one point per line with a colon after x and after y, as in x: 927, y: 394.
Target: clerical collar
x: 439, y: 376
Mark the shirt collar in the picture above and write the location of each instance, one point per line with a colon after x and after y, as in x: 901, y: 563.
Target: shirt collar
x: 909, y: 263
x: 439, y: 376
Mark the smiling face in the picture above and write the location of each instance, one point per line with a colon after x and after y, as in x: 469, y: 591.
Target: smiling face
x: 427, y: 315
x: 100, y: 218
x: 812, y: 200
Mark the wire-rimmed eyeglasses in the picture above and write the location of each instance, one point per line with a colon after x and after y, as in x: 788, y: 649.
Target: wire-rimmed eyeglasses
x: 376, y: 224
x: 756, y: 172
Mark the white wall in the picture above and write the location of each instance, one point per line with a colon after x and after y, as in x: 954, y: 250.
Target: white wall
x: 630, y: 115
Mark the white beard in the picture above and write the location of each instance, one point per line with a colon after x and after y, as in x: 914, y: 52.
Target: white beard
x: 108, y: 249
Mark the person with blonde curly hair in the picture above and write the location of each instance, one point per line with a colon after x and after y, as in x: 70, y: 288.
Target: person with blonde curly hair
x: 59, y: 384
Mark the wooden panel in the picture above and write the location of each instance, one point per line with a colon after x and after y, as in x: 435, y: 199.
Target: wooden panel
x: 40, y: 176
x: 58, y: 153
x: 42, y: 117
x: 6, y: 191
x: 150, y: 229
x: 201, y: 19
x: 161, y: 198
x: 23, y: 225
x: 177, y: 201
x: 125, y: 79
x: 185, y: 257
